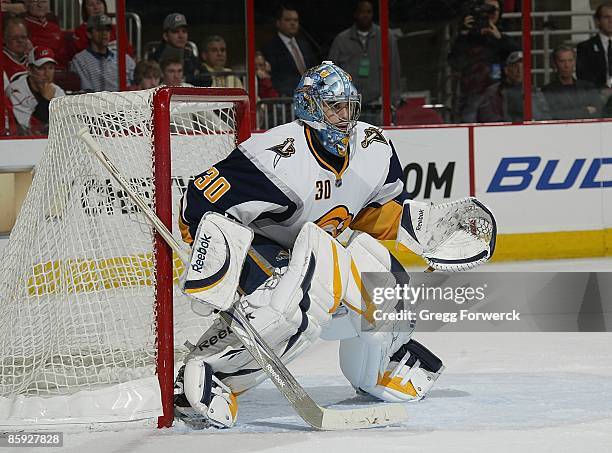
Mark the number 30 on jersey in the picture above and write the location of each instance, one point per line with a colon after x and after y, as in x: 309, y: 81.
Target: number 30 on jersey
x: 323, y: 190
x: 212, y: 186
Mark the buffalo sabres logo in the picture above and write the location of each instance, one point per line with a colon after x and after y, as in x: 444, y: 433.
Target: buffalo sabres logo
x: 372, y: 134
x: 335, y: 221
x: 285, y: 149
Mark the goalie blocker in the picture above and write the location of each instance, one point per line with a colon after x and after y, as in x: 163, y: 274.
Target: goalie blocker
x: 217, y: 256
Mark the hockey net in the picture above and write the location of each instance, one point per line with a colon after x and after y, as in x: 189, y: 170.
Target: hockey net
x: 86, y: 289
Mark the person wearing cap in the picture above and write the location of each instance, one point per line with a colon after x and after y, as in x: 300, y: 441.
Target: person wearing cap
x: 174, y: 44
x: 47, y: 33
x: 503, y: 101
x: 30, y: 95
x: 94, y: 8
x: 97, y: 66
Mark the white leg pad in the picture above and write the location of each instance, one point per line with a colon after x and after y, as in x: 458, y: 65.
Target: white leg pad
x: 288, y: 310
x: 369, y: 359
x: 208, y: 395
x: 408, y: 376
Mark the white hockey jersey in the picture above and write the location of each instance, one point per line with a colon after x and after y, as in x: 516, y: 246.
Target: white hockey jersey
x: 277, y: 181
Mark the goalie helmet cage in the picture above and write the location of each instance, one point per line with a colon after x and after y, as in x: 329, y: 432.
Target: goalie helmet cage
x: 90, y: 312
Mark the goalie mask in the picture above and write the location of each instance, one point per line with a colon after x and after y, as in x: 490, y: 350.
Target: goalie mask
x: 327, y: 100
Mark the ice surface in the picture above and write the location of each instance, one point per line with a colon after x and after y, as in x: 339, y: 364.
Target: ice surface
x: 500, y: 392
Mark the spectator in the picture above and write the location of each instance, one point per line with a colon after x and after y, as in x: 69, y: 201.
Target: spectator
x: 288, y: 53
x: 172, y: 72
x: 567, y: 97
x: 97, y: 65
x: 267, y: 112
x: 12, y: 8
x: 594, y: 56
x: 214, y: 58
x: 174, y: 44
x: 30, y: 95
x: 94, y: 8
x: 477, y: 56
x: 47, y: 33
x: 357, y: 51
x: 265, y: 89
x: 147, y: 74
x: 503, y: 101
x: 16, y: 47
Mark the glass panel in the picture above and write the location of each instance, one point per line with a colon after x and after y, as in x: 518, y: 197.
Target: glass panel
x: 445, y: 67
x: 428, y: 85
x: 574, y: 85
x: 356, y: 47
x: 485, y: 63
x: 212, y: 49
x: 326, y: 30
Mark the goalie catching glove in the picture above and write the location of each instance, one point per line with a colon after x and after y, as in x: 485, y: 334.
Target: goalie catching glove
x: 451, y: 237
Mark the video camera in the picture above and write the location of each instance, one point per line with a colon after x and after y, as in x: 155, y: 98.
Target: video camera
x: 481, y: 12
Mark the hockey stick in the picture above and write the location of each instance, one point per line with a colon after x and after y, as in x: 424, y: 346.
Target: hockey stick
x: 313, y: 414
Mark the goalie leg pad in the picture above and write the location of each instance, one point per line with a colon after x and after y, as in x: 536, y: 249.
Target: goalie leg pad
x: 365, y: 357
x: 409, y: 374
x: 206, y: 394
x: 367, y: 255
x: 288, y: 309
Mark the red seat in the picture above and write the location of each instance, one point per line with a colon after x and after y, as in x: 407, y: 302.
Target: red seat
x: 412, y: 112
x: 68, y: 80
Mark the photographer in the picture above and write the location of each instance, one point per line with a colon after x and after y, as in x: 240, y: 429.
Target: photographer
x: 477, y: 55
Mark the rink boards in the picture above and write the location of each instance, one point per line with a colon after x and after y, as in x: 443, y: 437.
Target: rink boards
x: 547, y: 183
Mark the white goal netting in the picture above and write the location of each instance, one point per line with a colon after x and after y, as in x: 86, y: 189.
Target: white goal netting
x: 77, y: 278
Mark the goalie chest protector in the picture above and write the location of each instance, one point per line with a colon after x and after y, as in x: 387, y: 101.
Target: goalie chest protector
x: 287, y: 183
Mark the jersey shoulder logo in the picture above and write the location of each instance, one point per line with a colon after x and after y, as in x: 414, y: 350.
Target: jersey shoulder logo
x: 285, y: 149
x: 283, y: 255
x: 373, y: 134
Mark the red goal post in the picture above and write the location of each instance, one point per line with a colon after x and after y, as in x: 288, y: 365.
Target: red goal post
x: 163, y: 194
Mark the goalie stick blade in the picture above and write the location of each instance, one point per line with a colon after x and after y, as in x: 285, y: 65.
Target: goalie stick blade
x: 366, y: 417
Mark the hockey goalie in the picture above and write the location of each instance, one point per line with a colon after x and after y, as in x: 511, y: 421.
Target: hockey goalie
x: 297, y: 187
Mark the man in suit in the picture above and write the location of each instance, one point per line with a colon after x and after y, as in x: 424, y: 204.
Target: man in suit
x: 594, y: 56
x: 288, y: 54
x: 569, y: 98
